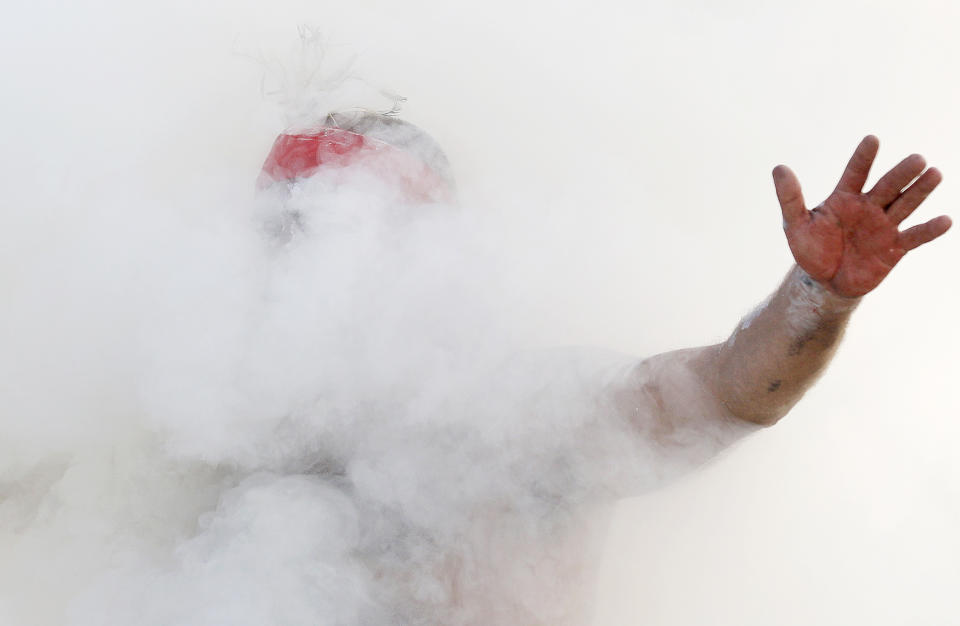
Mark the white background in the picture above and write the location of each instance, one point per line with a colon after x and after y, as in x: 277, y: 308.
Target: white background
x: 640, y: 138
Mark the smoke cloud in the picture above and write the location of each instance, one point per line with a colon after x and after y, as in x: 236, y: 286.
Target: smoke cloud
x: 156, y: 424
x: 218, y: 414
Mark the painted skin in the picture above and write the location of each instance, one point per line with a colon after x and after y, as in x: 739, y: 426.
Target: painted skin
x: 843, y: 248
x: 851, y: 242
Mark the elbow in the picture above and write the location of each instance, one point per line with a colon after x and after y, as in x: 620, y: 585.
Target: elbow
x: 760, y: 413
x: 741, y: 399
x: 764, y: 419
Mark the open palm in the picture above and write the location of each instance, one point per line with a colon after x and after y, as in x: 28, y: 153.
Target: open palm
x: 852, y: 241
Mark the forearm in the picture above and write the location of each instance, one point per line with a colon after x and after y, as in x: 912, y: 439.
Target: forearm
x: 779, y: 350
x: 849, y: 242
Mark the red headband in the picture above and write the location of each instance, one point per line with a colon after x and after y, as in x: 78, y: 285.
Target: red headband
x: 302, y: 155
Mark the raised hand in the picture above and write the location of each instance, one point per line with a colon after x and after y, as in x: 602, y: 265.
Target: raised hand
x: 852, y: 241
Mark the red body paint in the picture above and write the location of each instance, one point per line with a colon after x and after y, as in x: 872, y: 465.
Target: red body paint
x: 301, y: 155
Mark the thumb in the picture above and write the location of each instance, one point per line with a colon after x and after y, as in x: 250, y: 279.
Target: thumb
x: 789, y: 194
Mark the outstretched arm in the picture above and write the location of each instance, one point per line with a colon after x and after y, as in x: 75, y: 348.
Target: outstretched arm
x: 844, y: 248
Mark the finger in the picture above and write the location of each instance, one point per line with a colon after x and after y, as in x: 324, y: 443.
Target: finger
x: 914, y: 195
x: 858, y: 168
x: 923, y: 233
x: 889, y: 186
x: 789, y: 194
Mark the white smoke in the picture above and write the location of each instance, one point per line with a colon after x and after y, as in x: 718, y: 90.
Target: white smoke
x: 317, y: 78
x: 208, y: 420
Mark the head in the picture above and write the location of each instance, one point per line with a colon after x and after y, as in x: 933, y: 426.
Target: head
x: 395, y: 150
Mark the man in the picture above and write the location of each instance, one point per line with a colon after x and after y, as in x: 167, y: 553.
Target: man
x: 518, y: 552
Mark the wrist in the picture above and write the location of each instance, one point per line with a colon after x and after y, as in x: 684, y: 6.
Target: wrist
x: 810, y: 302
